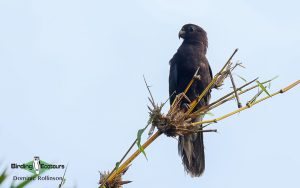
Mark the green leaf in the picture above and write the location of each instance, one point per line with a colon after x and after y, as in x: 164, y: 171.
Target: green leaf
x: 138, y: 142
x: 241, y: 78
x: 3, y: 176
x: 117, y: 166
x: 263, y: 87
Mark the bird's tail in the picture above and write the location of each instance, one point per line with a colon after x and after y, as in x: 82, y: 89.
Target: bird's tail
x: 191, y: 150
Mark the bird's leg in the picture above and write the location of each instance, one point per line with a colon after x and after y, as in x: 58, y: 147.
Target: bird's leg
x: 185, y: 103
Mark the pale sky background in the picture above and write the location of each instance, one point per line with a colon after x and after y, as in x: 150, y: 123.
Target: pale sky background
x: 71, y: 88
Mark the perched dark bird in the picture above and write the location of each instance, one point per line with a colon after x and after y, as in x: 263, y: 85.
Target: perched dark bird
x: 189, y: 57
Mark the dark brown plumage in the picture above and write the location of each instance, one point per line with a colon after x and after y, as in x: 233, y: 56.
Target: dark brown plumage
x: 189, y: 57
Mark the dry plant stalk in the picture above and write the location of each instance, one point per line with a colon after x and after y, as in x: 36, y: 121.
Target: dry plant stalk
x: 178, y: 122
x: 248, y: 105
x: 117, y: 181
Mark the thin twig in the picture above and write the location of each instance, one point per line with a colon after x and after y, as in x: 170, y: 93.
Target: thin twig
x: 63, y: 178
x: 235, y: 91
x: 208, y: 130
x: 254, y: 98
x: 148, y: 89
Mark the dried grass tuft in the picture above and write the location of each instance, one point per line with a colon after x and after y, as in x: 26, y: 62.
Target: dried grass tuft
x: 117, y: 181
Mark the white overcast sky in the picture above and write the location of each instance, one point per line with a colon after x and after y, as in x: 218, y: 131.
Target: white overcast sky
x: 71, y: 88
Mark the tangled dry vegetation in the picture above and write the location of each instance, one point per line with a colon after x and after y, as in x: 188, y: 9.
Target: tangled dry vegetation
x: 178, y: 122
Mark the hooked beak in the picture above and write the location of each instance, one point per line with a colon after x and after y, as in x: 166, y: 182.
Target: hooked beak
x: 181, y: 34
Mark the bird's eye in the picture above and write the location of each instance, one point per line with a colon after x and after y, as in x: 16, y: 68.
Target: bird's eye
x: 191, y: 29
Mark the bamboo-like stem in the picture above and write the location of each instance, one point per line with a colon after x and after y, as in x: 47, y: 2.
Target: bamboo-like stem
x: 247, y: 106
x: 110, y: 174
x: 133, y: 156
x: 241, y: 92
x: 134, y: 142
x: 191, y: 82
x: 210, y: 85
x: 250, y: 88
x: 222, y: 99
x: 226, y: 98
x: 229, y: 96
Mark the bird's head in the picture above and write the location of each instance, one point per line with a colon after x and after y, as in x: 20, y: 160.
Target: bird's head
x: 193, y: 33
